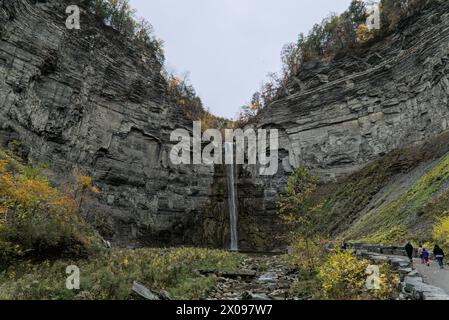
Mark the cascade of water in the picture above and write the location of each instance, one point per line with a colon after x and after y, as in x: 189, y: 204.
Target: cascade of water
x: 232, y: 201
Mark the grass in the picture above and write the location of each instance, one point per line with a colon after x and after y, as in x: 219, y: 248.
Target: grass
x: 391, y: 223
x: 343, y: 201
x: 409, y: 214
x: 110, y: 275
x: 27, y: 196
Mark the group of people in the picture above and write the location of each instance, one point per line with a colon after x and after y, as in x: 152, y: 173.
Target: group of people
x: 424, y: 254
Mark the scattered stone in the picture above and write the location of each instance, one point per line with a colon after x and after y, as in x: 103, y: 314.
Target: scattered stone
x: 234, y: 274
x: 278, y: 295
x: 165, y: 295
x: 255, y: 296
x: 263, y: 278
x: 144, y: 292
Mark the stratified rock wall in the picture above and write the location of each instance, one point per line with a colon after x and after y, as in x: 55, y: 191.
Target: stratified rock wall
x: 343, y: 114
x: 90, y: 99
x: 338, y: 116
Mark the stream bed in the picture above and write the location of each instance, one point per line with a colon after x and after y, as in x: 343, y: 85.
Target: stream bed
x: 260, y: 277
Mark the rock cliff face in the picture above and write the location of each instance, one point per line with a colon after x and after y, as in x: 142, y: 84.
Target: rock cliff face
x: 92, y: 100
x: 354, y: 109
x: 336, y: 117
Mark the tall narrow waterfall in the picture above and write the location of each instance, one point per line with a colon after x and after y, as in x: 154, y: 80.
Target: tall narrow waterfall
x: 232, y: 201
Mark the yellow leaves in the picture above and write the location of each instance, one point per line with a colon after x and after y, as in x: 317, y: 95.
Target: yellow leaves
x: 84, y: 182
x: 125, y: 263
x: 64, y: 201
x: 363, y: 33
x: 307, y: 254
x: 6, y: 184
x: 3, y: 164
x: 38, y: 214
x: 441, y: 232
x: 343, y: 276
x: 33, y: 191
x: 296, y: 207
x: 389, y: 281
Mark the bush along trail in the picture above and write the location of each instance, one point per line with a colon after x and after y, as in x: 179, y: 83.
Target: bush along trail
x: 339, y: 275
x: 418, y: 281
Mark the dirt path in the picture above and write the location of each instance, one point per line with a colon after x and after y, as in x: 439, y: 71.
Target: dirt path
x: 433, y: 275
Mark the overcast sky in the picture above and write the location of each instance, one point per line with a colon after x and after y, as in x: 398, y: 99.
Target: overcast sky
x: 229, y: 46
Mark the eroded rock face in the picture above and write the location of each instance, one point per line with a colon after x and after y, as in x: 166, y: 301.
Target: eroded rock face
x: 336, y: 117
x: 90, y: 99
x: 346, y: 113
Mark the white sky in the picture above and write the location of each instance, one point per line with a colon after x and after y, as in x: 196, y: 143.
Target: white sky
x: 229, y: 46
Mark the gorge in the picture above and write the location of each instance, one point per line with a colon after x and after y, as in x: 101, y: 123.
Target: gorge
x: 93, y: 100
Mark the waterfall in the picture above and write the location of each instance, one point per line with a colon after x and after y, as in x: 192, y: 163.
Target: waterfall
x: 232, y: 201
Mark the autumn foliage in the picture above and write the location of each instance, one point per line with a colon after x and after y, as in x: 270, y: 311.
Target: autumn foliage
x: 344, y: 277
x: 335, y: 35
x: 185, y: 97
x: 441, y: 232
x: 36, y: 219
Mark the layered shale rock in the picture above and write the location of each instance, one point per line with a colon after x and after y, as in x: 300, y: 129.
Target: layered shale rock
x: 338, y: 116
x: 343, y: 114
x: 92, y: 100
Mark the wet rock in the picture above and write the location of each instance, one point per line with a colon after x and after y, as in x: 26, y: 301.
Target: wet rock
x: 269, y: 277
x: 278, y: 295
x: 255, y: 296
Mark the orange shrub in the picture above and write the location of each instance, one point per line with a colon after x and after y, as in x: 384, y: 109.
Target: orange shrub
x: 36, y: 219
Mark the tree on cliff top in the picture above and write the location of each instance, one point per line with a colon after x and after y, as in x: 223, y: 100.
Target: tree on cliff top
x: 334, y: 35
x: 119, y: 15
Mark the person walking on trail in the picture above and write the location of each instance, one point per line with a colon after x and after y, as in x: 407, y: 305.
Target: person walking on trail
x: 439, y: 255
x: 344, y: 245
x: 409, y: 250
x: 420, y: 253
x: 426, y: 257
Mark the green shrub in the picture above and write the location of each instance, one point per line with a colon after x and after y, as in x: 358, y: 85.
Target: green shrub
x: 307, y: 254
x: 441, y: 233
x: 110, y: 275
x: 119, y: 15
x: 304, y: 289
x: 344, y: 277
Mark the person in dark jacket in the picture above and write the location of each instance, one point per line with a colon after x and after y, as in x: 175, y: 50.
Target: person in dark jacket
x: 439, y: 255
x: 344, y: 245
x: 409, y: 250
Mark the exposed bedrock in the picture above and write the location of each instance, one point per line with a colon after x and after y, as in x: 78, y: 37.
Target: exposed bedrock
x: 336, y: 117
x: 92, y: 100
